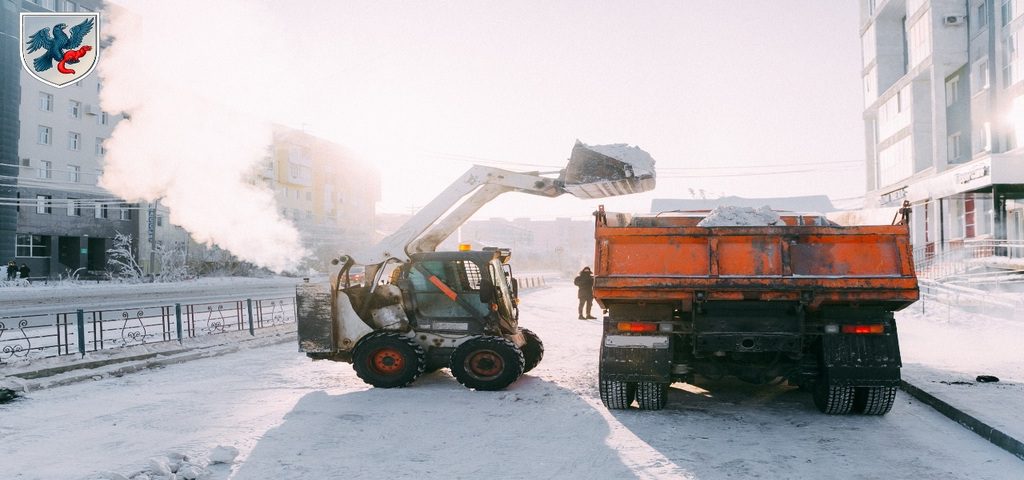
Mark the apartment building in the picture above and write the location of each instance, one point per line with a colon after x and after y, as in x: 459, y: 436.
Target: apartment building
x: 944, y: 116
x: 63, y: 221
x: 323, y: 189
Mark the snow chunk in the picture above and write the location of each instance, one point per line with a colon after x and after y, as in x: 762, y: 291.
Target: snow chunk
x: 728, y: 216
x: 160, y: 466
x: 223, y: 454
x: 641, y: 161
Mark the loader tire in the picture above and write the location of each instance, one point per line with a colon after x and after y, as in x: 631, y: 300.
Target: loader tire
x: 617, y: 395
x: 874, y: 400
x: 833, y: 399
x: 533, y: 351
x: 651, y: 395
x: 388, y: 360
x: 487, y: 363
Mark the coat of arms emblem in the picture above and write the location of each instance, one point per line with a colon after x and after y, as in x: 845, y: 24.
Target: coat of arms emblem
x: 60, y: 48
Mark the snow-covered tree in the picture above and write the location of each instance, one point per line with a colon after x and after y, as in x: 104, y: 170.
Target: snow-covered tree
x: 172, y: 262
x: 121, y: 262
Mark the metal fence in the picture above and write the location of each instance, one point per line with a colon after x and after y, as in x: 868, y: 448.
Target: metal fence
x: 83, y: 331
x: 961, y: 258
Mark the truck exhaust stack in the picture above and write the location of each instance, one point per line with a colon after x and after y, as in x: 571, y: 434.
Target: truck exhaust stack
x: 598, y: 171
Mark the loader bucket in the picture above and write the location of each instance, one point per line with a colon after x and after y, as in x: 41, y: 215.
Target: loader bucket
x: 598, y: 171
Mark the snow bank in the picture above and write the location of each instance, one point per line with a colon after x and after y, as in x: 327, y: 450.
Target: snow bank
x: 728, y: 216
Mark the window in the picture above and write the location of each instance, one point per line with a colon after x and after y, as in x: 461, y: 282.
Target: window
x: 100, y: 149
x: 985, y: 137
x: 45, y: 169
x: 49, y: 4
x: 74, y: 173
x: 1010, y: 9
x: 28, y: 245
x: 101, y: 210
x: 126, y: 213
x: 102, y: 118
x: 26, y: 162
x: 45, y: 135
x: 74, y: 141
x: 43, y: 204
x: 953, y: 147
x: 952, y: 90
x: 75, y: 109
x: 980, y: 73
x: 309, y: 196
x: 982, y: 14
x: 70, y: 6
x: 74, y: 207
x: 159, y: 220
x: 1011, y: 55
x: 45, y: 102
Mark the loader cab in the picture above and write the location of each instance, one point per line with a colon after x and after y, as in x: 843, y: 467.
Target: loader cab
x: 465, y: 292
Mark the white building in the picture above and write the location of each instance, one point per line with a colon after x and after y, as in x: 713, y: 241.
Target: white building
x: 944, y: 116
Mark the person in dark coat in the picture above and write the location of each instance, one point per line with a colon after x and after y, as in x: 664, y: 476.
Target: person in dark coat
x: 24, y: 271
x: 585, y: 282
x: 12, y: 270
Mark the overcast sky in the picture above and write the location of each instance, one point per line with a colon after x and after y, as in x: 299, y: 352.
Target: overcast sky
x: 720, y: 93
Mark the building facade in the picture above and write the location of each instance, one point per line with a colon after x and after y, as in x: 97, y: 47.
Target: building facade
x: 944, y: 116
x: 324, y: 190
x: 64, y: 220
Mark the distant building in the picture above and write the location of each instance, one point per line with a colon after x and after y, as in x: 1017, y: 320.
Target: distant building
x: 944, y: 116
x: 51, y: 148
x: 329, y: 194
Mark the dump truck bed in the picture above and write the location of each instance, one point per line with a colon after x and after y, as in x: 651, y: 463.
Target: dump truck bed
x: 669, y: 259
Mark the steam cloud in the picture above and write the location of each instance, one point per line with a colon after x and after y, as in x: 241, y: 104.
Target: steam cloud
x: 197, y: 126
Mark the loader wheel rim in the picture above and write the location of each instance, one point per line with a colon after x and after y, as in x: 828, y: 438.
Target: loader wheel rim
x: 485, y: 364
x: 387, y: 361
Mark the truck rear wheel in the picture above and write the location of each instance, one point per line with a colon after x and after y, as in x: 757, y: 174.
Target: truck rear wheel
x: 874, y: 400
x: 833, y: 399
x: 617, y: 395
x: 487, y: 363
x: 388, y: 360
x: 533, y: 351
x: 651, y: 395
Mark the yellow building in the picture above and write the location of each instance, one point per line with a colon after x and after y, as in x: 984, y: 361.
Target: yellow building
x: 324, y: 190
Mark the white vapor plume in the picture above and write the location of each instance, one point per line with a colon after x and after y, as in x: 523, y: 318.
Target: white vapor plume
x: 190, y: 139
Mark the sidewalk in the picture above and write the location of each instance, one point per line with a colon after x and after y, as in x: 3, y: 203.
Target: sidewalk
x: 994, y: 411
x: 945, y: 349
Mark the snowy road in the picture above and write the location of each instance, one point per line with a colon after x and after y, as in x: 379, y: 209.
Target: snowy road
x: 295, y: 419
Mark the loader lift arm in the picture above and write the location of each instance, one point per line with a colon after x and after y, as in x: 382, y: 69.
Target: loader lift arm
x: 589, y: 175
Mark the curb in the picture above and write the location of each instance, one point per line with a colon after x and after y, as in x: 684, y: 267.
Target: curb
x: 993, y: 435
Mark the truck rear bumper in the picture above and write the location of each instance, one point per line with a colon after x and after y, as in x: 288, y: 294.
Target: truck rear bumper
x: 636, y: 358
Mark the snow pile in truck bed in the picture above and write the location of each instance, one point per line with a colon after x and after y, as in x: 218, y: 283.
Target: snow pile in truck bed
x: 728, y: 216
x: 641, y: 161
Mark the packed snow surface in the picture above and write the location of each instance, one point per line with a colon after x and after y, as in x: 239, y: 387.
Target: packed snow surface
x: 730, y: 216
x: 641, y: 161
x: 291, y: 418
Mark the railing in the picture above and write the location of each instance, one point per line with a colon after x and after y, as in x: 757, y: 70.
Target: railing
x: 67, y: 333
x: 965, y: 259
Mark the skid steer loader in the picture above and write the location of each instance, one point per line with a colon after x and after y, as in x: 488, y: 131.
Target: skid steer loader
x: 413, y: 310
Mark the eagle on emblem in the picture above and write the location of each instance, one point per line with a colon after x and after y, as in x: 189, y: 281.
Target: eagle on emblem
x: 60, y: 48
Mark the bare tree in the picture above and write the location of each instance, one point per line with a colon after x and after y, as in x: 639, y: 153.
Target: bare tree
x: 121, y: 262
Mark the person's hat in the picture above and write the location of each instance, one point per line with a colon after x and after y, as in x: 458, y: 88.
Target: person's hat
x: 586, y: 269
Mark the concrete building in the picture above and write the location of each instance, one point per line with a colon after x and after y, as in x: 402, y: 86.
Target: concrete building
x: 328, y: 194
x: 64, y: 221
x: 944, y: 116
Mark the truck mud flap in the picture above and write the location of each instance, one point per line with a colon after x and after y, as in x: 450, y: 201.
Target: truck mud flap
x: 636, y: 358
x: 861, y: 360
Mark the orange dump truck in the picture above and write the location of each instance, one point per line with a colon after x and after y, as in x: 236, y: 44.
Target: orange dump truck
x: 804, y: 300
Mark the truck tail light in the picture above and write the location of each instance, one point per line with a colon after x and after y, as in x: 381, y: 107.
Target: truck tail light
x: 874, y: 329
x: 637, y: 327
